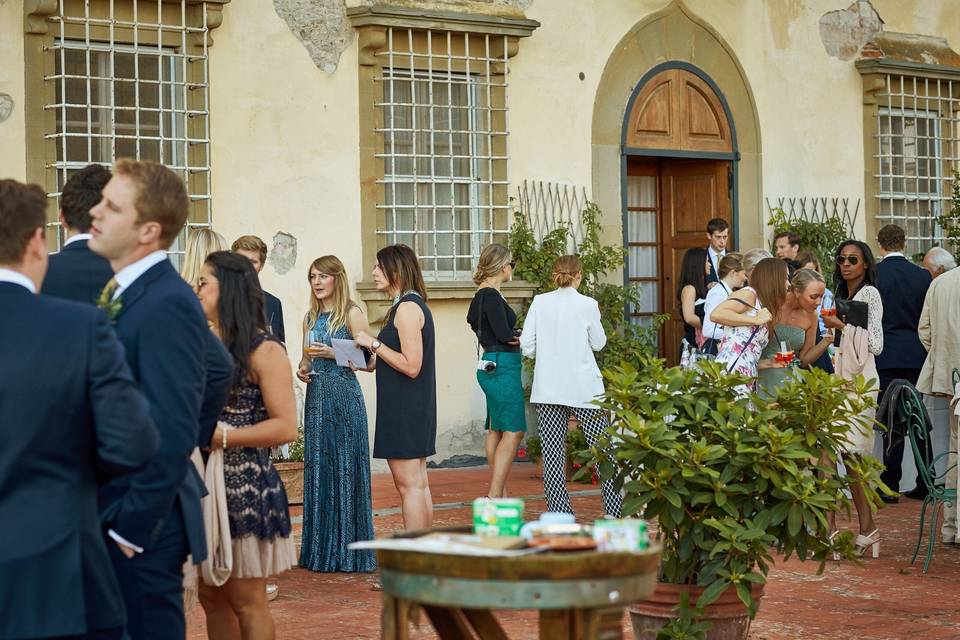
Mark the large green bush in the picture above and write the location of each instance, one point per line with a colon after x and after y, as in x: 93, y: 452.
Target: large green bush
x: 819, y: 238
x: 950, y: 221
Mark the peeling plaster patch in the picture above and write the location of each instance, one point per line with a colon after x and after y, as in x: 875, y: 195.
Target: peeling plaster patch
x: 322, y: 27
x: 283, y: 255
x: 843, y: 32
x: 6, y: 101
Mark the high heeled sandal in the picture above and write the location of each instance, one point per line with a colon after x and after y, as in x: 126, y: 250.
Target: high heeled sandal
x: 871, y: 541
x: 831, y: 538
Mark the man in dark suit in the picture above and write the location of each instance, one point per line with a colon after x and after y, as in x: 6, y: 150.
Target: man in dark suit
x: 69, y: 412
x: 718, y: 232
x: 255, y: 249
x: 155, y: 515
x: 76, y: 273
x: 903, y: 286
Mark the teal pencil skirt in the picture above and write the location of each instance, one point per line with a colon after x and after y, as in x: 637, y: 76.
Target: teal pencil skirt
x: 504, y: 392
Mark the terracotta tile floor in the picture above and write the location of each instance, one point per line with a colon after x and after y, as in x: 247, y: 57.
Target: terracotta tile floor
x: 885, y: 599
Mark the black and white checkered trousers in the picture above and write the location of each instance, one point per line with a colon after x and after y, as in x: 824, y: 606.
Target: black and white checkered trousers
x: 552, y: 425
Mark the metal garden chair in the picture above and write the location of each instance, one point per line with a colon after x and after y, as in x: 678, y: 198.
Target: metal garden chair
x: 937, y: 495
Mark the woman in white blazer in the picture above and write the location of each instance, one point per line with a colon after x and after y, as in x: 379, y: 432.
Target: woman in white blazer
x: 561, y: 331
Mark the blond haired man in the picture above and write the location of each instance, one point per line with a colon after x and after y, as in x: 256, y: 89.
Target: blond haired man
x: 255, y: 250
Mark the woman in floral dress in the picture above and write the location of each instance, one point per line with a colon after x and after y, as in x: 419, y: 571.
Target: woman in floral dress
x: 747, y: 316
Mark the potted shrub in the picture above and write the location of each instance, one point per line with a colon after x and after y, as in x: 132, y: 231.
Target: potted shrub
x: 291, y: 470
x: 730, y: 481
x: 534, y: 453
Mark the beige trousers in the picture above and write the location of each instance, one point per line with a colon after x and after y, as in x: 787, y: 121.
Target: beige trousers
x: 949, y: 530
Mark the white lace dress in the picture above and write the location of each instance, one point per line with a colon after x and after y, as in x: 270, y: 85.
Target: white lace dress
x: 862, y: 439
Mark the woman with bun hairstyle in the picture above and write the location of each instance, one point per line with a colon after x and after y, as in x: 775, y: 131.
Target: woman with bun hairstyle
x: 562, y: 330
x: 494, y: 322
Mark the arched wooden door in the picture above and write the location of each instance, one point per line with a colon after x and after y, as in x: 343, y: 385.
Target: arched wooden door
x: 680, y: 154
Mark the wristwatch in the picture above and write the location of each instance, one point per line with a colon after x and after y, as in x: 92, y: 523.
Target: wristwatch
x: 375, y: 345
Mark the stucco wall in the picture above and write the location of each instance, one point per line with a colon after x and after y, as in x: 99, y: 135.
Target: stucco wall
x: 12, y: 133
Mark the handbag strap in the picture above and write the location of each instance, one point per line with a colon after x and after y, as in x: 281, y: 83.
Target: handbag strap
x: 746, y: 344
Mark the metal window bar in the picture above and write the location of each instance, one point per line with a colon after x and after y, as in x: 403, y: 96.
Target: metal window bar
x: 548, y: 206
x: 131, y: 80
x: 819, y: 209
x: 918, y: 149
x: 444, y: 146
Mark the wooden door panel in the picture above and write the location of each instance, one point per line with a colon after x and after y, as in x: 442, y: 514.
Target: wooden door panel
x: 692, y: 192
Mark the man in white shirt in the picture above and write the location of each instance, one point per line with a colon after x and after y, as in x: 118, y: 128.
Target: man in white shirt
x: 155, y: 516
x: 718, y: 232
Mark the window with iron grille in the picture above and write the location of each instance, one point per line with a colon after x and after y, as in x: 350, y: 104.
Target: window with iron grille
x: 444, y: 117
x: 130, y: 81
x: 918, y: 149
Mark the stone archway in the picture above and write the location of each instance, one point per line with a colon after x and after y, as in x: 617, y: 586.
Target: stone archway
x: 675, y: 34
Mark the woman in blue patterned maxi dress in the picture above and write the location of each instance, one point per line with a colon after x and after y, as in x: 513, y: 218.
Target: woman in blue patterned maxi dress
x: 337, y: 506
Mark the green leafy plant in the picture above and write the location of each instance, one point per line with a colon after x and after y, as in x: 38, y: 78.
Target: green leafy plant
x: 534, y: 448
x: 295, y: 450
x: 819, y: 238
x: 729, y: 478
x: 535, y: 265
x: 950, y: 221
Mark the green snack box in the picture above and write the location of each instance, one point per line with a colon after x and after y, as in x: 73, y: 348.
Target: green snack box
x: 498, y: 516
x: 628, y: 534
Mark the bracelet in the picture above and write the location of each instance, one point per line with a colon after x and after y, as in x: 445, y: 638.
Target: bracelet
x: 223, y: 437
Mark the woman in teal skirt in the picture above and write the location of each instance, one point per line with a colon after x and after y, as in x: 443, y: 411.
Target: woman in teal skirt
x: 498, y: 371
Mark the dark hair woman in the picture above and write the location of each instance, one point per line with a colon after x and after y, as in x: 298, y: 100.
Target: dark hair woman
x: 854, y: 279
x: 692, y: 294
x: 261, y: 413
x: 406, y: 382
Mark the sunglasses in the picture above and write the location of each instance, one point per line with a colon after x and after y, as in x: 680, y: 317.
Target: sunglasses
x: 851, y: 260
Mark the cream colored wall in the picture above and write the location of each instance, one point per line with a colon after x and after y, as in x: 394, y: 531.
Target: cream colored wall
x: 809, y: 104
x: 12, y: 132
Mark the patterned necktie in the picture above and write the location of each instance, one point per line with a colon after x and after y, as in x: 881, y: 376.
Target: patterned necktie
x: 106, y: 294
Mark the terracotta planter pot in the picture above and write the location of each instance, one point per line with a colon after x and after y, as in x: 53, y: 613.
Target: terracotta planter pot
x: 292, y: 475
x: 727, y: 614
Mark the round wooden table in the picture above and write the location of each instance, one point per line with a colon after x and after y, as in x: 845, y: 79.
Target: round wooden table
x: 579, y: 595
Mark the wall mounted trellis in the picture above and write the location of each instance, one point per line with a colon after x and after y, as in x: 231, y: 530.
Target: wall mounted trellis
x: 548, y: 206
x: 819, y: 209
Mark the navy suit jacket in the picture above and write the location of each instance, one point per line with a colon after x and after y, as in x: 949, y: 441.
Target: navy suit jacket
x: 903, y: 286
x: 164, y: 332
x: 217, y: 384
x: 77, y: 273
x: 274, y: 311
x: 70, y: 415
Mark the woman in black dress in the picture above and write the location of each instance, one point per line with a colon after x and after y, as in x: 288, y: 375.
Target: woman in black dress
x: 406, y: 382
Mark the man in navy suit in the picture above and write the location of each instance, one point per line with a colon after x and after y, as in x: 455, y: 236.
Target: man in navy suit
x: 70, y: 413
x: 155, y: 515
x: 718, y: 232
x: 76, y: 273
x: 255, y: 250
x: 903, y: 286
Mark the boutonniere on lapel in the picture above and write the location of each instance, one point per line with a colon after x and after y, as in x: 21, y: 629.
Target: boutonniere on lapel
x: 107, y: 302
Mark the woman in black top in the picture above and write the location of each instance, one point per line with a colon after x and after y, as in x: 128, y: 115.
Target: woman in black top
x: 406, y: 382
x: 494, y: 322
x: 692, y: 293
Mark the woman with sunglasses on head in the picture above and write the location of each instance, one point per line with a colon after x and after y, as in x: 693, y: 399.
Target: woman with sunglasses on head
x: 406, y: 433
x: 854, y: 279
x: 494, y: 323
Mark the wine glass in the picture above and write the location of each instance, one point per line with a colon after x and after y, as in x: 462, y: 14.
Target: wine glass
x: 311, y: 338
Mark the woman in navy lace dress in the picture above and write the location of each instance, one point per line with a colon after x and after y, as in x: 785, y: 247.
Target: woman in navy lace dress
x: 260, y: 413
x: 336, y: 462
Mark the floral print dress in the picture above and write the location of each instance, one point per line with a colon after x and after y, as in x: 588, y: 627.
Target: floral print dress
x: 740, y: 347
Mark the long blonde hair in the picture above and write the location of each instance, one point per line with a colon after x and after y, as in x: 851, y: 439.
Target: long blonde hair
x: 493, y: 259
x: 200, y: 244
x: 342, y: 303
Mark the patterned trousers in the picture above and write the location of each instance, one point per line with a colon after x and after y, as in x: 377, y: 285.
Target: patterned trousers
x: 552, y: 425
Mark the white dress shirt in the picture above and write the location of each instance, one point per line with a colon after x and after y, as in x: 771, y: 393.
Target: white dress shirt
x: 562, y: 330
x: 15, y: 277
x: 129, y: 274
x: 717, y: 294
x: 77, y: 238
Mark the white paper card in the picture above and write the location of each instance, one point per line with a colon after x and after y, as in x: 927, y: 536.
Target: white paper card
x: 347, y: 351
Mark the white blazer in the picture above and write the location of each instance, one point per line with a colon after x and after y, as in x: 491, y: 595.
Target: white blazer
x: 562, y: 330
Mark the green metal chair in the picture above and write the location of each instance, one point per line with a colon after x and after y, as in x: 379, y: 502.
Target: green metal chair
x: 937, y: 495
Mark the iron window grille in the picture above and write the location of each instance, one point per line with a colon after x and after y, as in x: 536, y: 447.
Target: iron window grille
x: 444, y: 132
x: 130, y: 80
x: 918, y: 149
